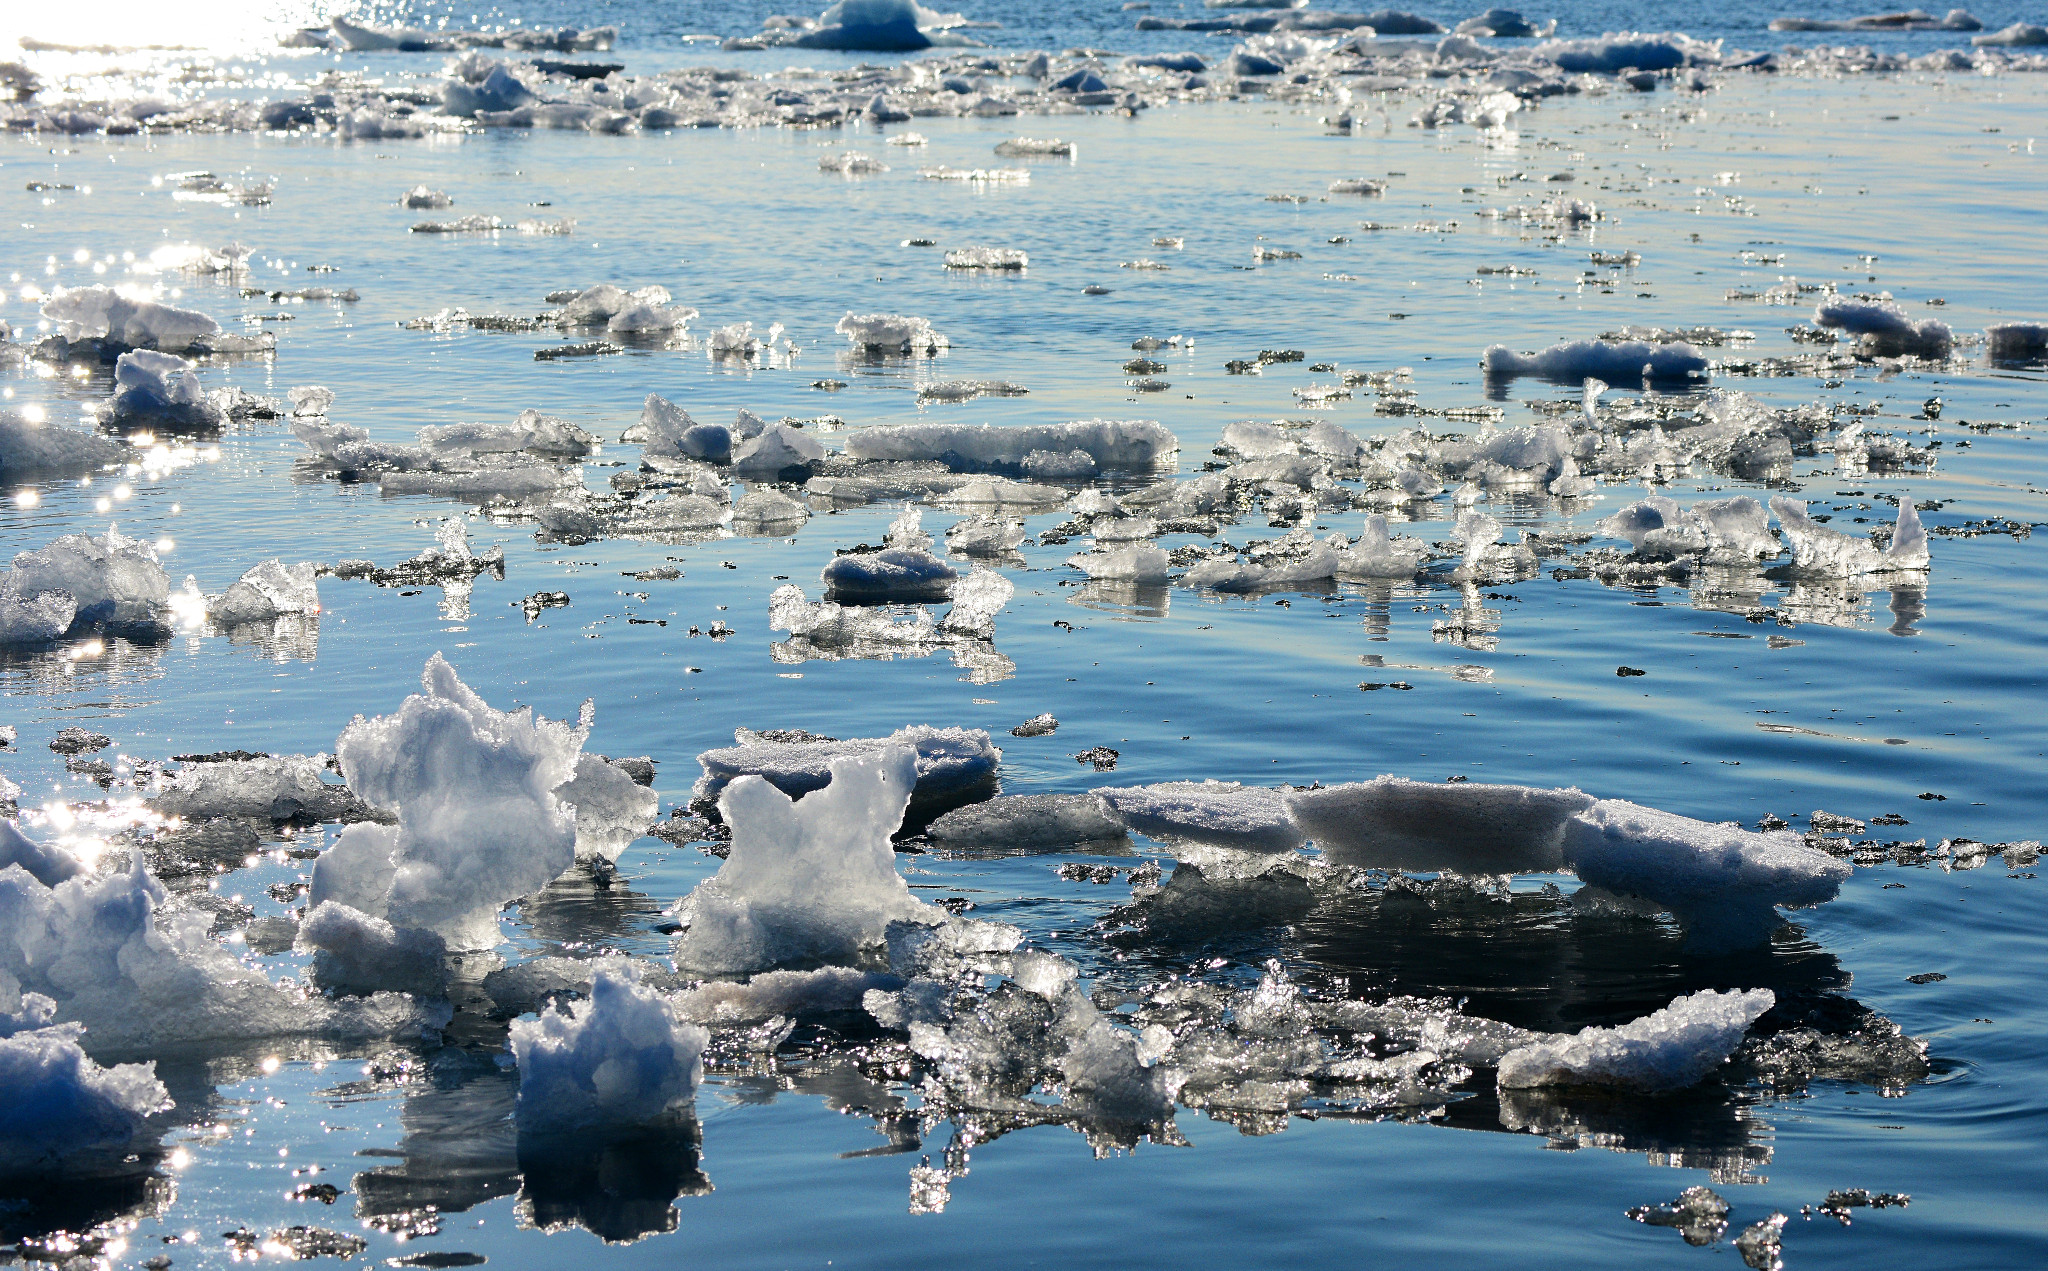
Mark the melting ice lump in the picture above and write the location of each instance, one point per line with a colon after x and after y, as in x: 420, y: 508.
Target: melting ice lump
x: 1817, y: 550
x: 478, y: 820
x: 102, y: 313
x: 611, y: 808
x: 355, y: 953
x: 40, y: 449
x: 64, y: 1112
x: 893, y: 573
x: 622, y: 1061
x: 113, y: 580
x: 1118, y: 444
x: 159, y: 386
x: 48, y: 865
x: 1625, y: 362
x: 808, y: 881
x: 1724, y: 882
x: 1394, y: 823
x: 276, y: 787
x: 1668, y: 1049
x: 949, y: 761
x: 268, y: 591
x: 1883, y: 327
x: 2011, y: 341
x: 890, y: 333
x: 881, y: 26
x: 1213, y: 813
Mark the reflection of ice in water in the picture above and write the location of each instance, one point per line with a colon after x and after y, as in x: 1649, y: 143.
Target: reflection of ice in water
x: 1472, y: 625
x: 454, y: 605
x: 1830, y: 602
x: 1123, y: 597
x: 292, y: 637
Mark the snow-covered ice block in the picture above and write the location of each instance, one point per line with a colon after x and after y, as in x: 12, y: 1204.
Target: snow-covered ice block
x: 478, y: 821
x: 764, y: 509
x: 2006, y: 341
x: 355, y: 953
x: 1628, y: 51
x: 1115, y: 444
x: 1027, y: 822
x: 269, y: 590
x: 1212, y: 813
x: 985, y: 536
x: 891, y: 574
x: 63, y: 1113
x: 810, y: 881
x: 1624, y: 362
x: 611, y: 808
x: 276, y: 787
x: 987, y: 258
x: 1884, y: 327
x: 949, y: 761
x: 1669, y: 1049
x: 113, y: 580
x: 1138, y: 563
x: 622, y: 1061
x: 1464, y: 827
x: 890, y: 333
x: 881, y: 26
x: 1724, y: 882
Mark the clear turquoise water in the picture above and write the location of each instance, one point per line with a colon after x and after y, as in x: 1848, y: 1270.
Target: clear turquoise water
x: 798, y: 1153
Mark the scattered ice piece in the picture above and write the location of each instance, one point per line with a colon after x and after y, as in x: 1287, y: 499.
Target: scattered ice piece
x: 999, y: 258
x: 266, y: 592
x: 41, y: 449
x: 160, y: 387
x: 48, y: 865
x: 1036, y: 726
x: 967, y: 390
x: 1884, y: 328
x: 1138, y: 563
x: 891, y: 574
x: 1628, y: 362
x: 764, y: 510
x: 1140, y: 445
x: 792, y: 994
x: 775, y: 452
x: 478, y: 821
x: 622, y: 1061
x: 1375, y: 554
x: 950, y: 761
x: 1699, y: 1214
x: 113, y: 580
x: 421, y: 197
x: 890, y: 333
x: 1466, y: 827
x: 880, y: 26
x: 850, y: 163
x: 101, y: 313
x: 1820, y: 551
x: 65, y: 1114
x: 1725, y: 883
x: 985, y: 536
x: 1669, y: 1049
x: 811, y: 881
x: 1212, y: 813
x: 977, y: 599
x: 355, y: 953
x: 612, y: 809
x: 2018, y: 35
x: 1001, y: 493
x: 272, y: 787
x: 2013, y: 341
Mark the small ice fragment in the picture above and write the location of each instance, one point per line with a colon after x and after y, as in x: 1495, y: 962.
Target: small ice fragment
x: 622, y: 1061
x: 1630, y: 362
x: 1883, y: 328
x: 65, y: 1114
x: 1140, y: 445
x: 421, y: 197
x: 266, y: 592
x: 1036, y: 726
x: 890, y: 333
x: 1669, y: 1049
x: 611, y: 808
x: 951, y: 762
x: 997, y: 258
x: 807, y: 882
x: 891, y: 574
x: 1138, y: 563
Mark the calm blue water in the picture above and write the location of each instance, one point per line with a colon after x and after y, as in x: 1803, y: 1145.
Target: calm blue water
x: 806, y: 1160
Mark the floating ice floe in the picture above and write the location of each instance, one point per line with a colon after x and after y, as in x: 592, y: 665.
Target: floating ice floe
x: 888, y: 574
x: 994, y: 258
x: 877, y: 26
x: 266, y: 592
x: 952, y: 764
x: 363, y: 38
x: 809, y: 881
x: 768, y: 511
x: 272, y: 787
x: 112, y: 582
x: 612, y: 807
x: 1629, y: 362
x: 1629, y: 51
x: 985, y: 536
x: 1138, y: 563
x: 478, y: 822
x: 1817, y: 550
x: 1140, y: 445
x: 1211, y: 813
x: 2018, y: 35
x: 64, y: 1114
x: 851, y: 163
x: 1883, y: 328
x: 890, y: 333
x: 1908, y: 20
x: 1669, y: 1049
x: 103, y: 313
x: 622, y: 1060
x: 2004, y: 341
x: 37, y: 448
x: 1030, y: 822
x: 530, y: 433
x: 968, y: 390
x: 142, y: 980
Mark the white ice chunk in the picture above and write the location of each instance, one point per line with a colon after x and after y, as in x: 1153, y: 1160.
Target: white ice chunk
x: 1001, y: 258
x: 810, y: 881
x: 63, y: 1112
x: 890, y: 333
x: 159, y: 386
x: 949, y: 760
x: 28, y: 618
x: 91, y: 313
x: 1669, y: 1049
x: 29, y: 449
x: 1723, y: 882
x: 531, y: 432
x: 666, y: 430
x: 1139, y: 563
x: 1320, y: 562
x: 977, y: 599
x: 2011, y: 341
x: 478, y: 821
x: 795, y: 994
x: 1212, y: 813
x: 764, y: 509
x: 1464, y: 827
x: 49, y: 865
x: 907, y: 530
x: 611, y: 808
x: 1376, y: 554
x: 1820, y: 551
x: 1115, y: 444
x: 1024, y: 822
x: 891, y: 574
x: 622, y: 1061
x: 276, y: 787
x: 355, y: 953
x: 1884, y: 327
x: 268, y: 591
x: 114, y: 580
x: 985, y: 536
x: 1626, y: 362
x: 779, y: 447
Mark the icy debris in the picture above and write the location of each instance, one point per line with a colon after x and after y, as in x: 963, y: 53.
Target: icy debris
x: 1629, y: 51
x: 1731, y: 531
x: 355, y: 953
x: 1311, y: 562
x: 890, y: 333
x: 811, y: 881
x: 1049, y: 147
x: 63, y: 1112
x: 666, y: 431
x: 780, y: 452
x: 999, y: 258
x: 113, y: 581
x: 1910, y: 20
x: 1466, y: 828
x: 1358, y: 185
x: 2018, y: 35
x: 1725, y: 883
x: 1669, y: 1049
x: 1211, y: 813
x: 272, y: 787
x: 1761, y: 1244
x: 984, y: 176
x: 951, y: 762
x: 1001, y: 493
x: 977, y: 599
x: 1036, y: 726
x: 767, y: 511
x: 1883, y: 328
x: 1700, y: 1215
x: 102, y: 313
x: 360, y: 37
x: 623, y: 1060
x: 1629, y: 362
x: 32, y: 618
x: 420, y: 198
x: 1819, y: 551
x: 2004, y: 341
x: 266, y: 592
x: 142, y: 980
x: 41, y: 449
x: 888, y: 574
x: 1138, y: 563
x: 161, y: 388
x: 530, y: 433
x: 611, y: 807
x: 878, y: 26
x: 851, y: 163
x: 985, y: 536
x: 478, y: 821
x: 1127, y: 445
x: 1027, y: 822
x: 968, y: 390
